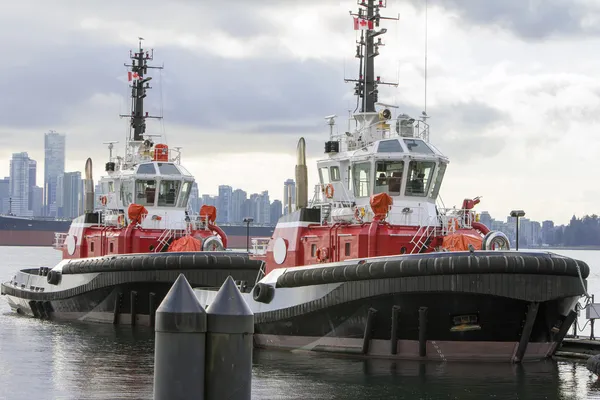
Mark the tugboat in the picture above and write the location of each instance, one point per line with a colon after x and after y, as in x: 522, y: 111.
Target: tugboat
x: 373, y: 266
x: 120, y: 260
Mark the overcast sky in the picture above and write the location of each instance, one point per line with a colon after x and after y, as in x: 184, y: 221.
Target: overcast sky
x: 513, y: 88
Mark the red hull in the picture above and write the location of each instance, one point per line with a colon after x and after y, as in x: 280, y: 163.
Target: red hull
x: 46, y: 238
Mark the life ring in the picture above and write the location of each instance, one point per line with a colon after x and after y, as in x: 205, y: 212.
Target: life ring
x: 329, y: 191
x: 322, y: 254
x: 103, y: 200
x: 120, y: 219
x: 451, y: 222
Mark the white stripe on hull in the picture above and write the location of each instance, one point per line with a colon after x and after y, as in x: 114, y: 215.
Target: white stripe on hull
x: 407, y: 349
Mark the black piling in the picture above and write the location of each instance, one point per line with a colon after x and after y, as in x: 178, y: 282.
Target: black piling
x: 132, y: 300
x: 368, y: 334
x: 532, y: 310
x: 560, y: 335
x: 117, y: 309
x: 422, y: 331
x: 230, y: 328
x: 152, y: 307
x: 179, y: 352
x: 394, y: 332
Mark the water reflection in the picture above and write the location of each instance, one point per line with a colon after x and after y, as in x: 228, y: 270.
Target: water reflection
x: 307, y: 376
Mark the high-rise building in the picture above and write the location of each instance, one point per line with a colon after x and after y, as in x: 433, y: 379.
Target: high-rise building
x: 54, y: 167
x: 224, y: 204
x: 238, y: 198
x: 263, y: 208
x: 289, y: 195
x: 275, y: 211
x: 4, y: 194
x: 19, y: 187
x: 72, y: 194
x: 194, y: 200
x: 486, y: 219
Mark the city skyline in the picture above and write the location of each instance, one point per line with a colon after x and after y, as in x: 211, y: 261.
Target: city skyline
x: 233, y: 204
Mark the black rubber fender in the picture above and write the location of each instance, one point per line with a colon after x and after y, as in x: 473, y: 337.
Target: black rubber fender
x: 454, y: 263
x: 263, y: 293
x: 54, y: 277
x: 164, y: 261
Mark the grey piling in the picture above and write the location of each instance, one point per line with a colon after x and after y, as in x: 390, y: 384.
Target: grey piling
x: 230, y: 326
x: 422, y: 331
x: 179, y: 347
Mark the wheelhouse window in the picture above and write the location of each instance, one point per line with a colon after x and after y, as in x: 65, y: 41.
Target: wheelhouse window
x: 362, y: 177
x: 126, y: 192
x: 168, y: 169
x: 417, y: 146
x: 435, y: 190
x: 419, y: 178
x: 388, y: 177
x: 335, y: 173
x: 185, y: 194
x: 110, y: 187
x: 390, y: 146
x: 146, y: 169
x: 145, y: 192
x: 168, y: 193
x: 324, y: 175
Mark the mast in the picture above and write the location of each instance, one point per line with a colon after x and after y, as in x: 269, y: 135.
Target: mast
x: 366, y: 20
x: 138, y: 69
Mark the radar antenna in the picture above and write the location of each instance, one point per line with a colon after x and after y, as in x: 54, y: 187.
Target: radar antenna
x: 111, y: 145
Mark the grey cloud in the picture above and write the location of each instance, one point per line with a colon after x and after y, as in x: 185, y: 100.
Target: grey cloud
x: 460, y: 130
x: 530, y: 20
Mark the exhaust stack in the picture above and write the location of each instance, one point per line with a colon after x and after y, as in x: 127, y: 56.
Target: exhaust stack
x: 301, y: 176
x: 89, y: 187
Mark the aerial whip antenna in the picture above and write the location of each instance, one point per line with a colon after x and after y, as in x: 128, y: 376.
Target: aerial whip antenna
x: 425, y: 109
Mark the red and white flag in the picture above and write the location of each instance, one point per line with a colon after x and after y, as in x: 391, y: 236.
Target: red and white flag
x: 362, y: 24
x: 132, y: 75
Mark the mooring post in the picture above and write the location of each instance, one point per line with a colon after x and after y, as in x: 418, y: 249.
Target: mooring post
x: 368, y: 330
x: 179, y: 347
x: 152, y: 308
x: 591, y: 321
x: 133, y: 300
x: 230, y: 329
x: 117, y: 309
x: 394, y: 332
x: 531, y: 315
x: 422, y: 331
x: 562, y: 332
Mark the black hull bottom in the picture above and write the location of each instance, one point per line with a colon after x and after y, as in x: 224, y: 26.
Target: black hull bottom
x: 106, y: 305
x: 457, y: 326
x: 123, y: 290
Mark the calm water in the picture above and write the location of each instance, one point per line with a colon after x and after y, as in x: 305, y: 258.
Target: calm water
x: 48, y: 360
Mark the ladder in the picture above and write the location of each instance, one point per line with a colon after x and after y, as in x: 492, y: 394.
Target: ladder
x: 163, y: 239
x: 325, y: 212
x: 422, y: 235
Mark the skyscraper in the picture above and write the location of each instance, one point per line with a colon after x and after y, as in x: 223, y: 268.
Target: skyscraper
x: 224, y: 204
x: 19, y: 186
x: 72, y: 194
x: 289, y: 193
x: 54, y: 166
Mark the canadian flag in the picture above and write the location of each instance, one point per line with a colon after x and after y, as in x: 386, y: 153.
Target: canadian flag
x: 362, y: 24
x: 132, y: 75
